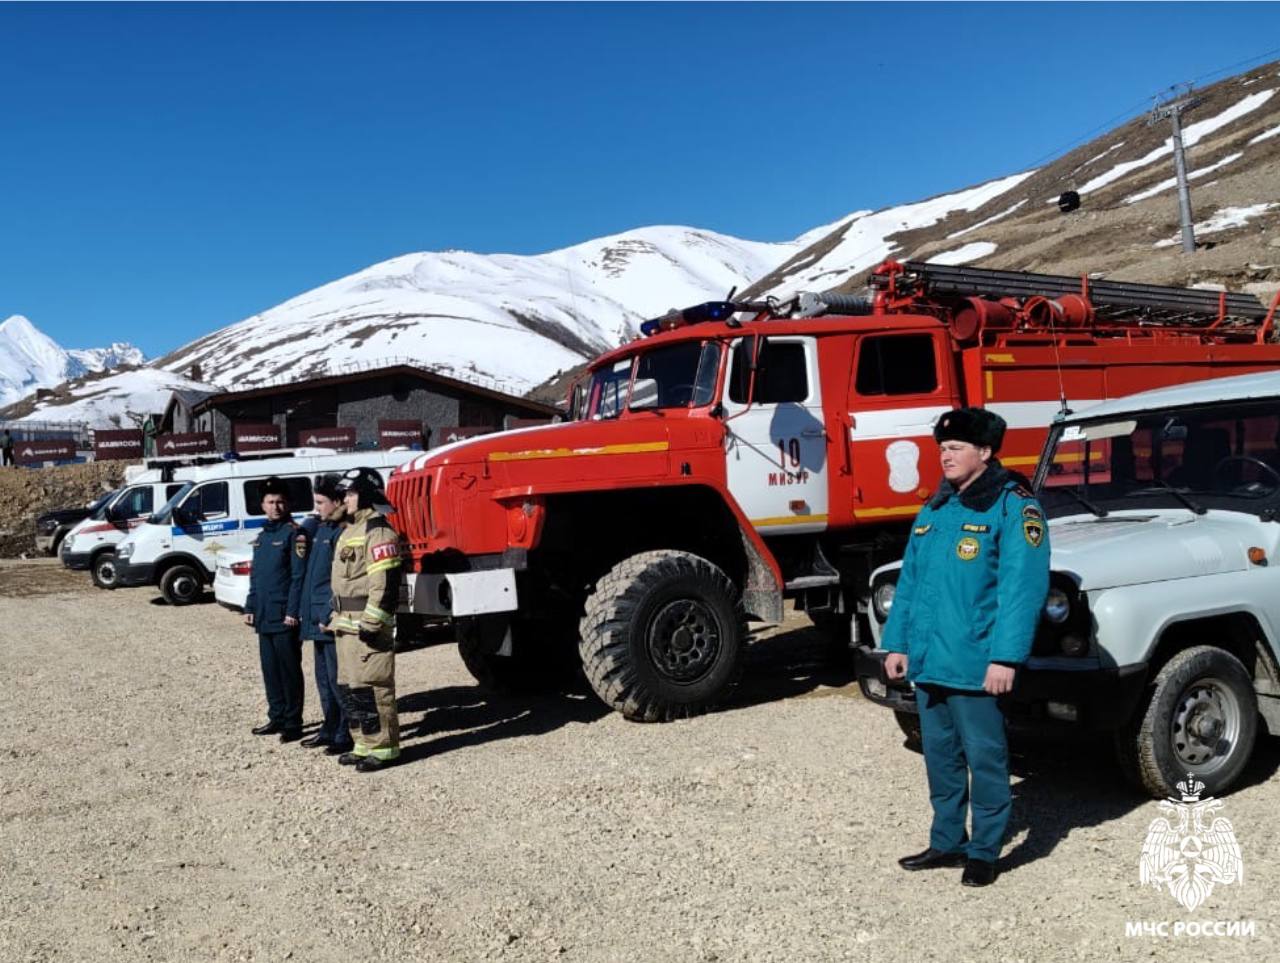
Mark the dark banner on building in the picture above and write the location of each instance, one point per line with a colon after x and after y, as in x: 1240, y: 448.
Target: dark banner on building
x: 513, y: 423
x: 35, y: 452
x: 394, y: 433
x: 451, y: 433
x: 340, y: 438
x: 255, y: 437
x: 121, y: 445
x: 184, y: 444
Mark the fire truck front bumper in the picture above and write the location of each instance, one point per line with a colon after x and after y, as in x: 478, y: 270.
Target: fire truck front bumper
x: 462, y: 594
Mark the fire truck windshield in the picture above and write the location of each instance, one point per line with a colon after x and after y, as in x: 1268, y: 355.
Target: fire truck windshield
x: 681, y: 375
x: 1194, y: 457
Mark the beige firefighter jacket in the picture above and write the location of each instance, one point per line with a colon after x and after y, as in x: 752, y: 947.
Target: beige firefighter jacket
x: 366, y: 576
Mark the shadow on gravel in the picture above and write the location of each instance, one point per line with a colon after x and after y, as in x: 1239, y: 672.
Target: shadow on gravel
x: 462, y: 716
x: 790, y: 664
x: 1070, y: 783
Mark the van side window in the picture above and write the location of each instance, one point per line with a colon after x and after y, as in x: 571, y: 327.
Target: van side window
x: 300, y: 499
x: 897, y: 364
x: 171, y: 490
x: 209, y: 501
x: 136, y: 502
x: 782, y: 374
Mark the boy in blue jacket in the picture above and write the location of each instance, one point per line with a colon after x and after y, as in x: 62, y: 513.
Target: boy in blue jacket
x: 969, y: 598
x: 317, y: 603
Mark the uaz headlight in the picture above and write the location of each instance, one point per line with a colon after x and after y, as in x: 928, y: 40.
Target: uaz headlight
x: 1057, y: 606
x: 882, y: 599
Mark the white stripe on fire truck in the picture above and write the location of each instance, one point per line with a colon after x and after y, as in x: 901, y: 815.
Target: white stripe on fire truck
x: 909, y: 422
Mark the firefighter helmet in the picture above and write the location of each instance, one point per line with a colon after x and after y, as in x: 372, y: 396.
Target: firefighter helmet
x: 366, y: 483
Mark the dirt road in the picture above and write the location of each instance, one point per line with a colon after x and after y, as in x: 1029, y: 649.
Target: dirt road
x: 139, y: 819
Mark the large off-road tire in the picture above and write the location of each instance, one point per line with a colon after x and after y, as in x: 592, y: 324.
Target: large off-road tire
x: 105, y: 570
x: 542, y: 657
x: 1200, y: 718
x: 663, y: 636
x: 182, y: 585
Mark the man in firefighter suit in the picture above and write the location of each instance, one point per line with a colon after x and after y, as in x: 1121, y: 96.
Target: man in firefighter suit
x: 272, y: 608
x: 366, y: 591
x: 973, y: 584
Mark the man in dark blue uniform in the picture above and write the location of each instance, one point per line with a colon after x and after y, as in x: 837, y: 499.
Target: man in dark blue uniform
x: 317, y: 603
x: 275, y: 595
x: 969, y: 597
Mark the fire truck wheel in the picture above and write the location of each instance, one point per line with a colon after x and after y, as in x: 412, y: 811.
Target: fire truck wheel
x: 104, y: 570
x: 535, y: 665
x: 662, y: 636
x: 1200, y: 719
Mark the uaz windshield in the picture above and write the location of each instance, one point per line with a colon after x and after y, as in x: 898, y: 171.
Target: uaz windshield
x: 165, y: 515
x: 1209, y: 456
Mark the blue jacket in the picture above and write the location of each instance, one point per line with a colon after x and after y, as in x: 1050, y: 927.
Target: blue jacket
x: 275, y: 581
x: 317, y: 592
x: 973, y: 582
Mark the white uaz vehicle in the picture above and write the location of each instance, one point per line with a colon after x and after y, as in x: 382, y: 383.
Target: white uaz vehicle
x: 1162, y: 624
x: 220, y: 508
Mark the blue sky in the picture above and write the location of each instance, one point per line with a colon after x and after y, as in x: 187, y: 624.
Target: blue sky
x: 167, y: 170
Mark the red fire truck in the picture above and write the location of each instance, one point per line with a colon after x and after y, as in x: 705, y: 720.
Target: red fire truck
x: 738, y: 454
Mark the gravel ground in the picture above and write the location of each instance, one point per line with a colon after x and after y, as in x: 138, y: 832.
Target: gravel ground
x: 139, y: 819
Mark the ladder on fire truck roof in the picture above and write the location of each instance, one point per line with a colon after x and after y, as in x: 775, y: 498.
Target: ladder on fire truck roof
x: 1112, y: 301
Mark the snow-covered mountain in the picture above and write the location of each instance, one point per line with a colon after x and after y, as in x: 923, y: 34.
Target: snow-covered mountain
x: 30, y: 359
x: 119, y: 399
x: 505, y: 319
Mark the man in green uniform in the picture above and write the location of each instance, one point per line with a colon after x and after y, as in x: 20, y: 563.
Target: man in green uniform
x: 366, y: 592
x: 972, y: 587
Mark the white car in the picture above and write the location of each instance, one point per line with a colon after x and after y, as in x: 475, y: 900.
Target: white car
x: 231, y: 580
x: 1162, y: 623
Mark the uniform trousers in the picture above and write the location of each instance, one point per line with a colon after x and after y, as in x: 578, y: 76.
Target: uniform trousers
x: 367, y: 680
x: 966, y: 757
x: 281, y: 656
x: 334, y: 728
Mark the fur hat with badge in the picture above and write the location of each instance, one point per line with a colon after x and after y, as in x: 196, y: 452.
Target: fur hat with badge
x: 275, y: 485
x: 330, y: 486
x: 977, y: 426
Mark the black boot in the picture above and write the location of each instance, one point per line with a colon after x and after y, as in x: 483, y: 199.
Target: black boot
x: 978, y: 872
x: 931, y: 859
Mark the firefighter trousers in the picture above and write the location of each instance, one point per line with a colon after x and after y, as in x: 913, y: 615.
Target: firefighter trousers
x: 367, y: 682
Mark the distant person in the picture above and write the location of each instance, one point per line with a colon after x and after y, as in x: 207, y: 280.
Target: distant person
x: 366, y: 593
x: 973, y: 583
x: 6, y: 444
x: 272, y: 609
x: 317, y: 597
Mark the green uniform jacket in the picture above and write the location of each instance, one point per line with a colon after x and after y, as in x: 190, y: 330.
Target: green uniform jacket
x: 973, y: 582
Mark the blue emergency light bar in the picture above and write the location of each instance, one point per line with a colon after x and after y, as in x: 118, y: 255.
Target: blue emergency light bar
x: 707, y: 311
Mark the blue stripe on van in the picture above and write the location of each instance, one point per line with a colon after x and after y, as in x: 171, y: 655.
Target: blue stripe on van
x: 205, y: 528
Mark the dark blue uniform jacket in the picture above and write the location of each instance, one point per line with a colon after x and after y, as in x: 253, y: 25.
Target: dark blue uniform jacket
x: 275, y: 581
x: 973, y: 582
x: 317, y: 591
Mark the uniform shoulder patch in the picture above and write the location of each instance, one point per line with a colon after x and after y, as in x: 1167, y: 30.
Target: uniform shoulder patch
x: 1032, y: 510
x: 301, y: 544
x: 1033, y: 531
x: 384, y: 550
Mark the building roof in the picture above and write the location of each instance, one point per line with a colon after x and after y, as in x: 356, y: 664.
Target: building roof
x: 1261, y: 384
x: 422, y: 374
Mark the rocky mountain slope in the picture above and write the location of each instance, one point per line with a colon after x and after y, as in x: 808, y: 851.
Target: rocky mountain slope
x: 30, y: 359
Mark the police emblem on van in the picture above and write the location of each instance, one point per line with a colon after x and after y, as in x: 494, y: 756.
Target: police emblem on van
x: 967, y: 549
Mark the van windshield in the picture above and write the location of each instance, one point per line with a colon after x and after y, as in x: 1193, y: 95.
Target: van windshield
x: 165, y: 515
x: 98, y: 510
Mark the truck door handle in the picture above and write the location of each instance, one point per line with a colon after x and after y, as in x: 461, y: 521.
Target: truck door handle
x: 814, y: 433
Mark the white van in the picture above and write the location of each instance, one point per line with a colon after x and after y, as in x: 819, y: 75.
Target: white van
x: 91, y: 543
x: 220, y: 507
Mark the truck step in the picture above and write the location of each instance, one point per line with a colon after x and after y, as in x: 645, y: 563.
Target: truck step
x: 812, y: 581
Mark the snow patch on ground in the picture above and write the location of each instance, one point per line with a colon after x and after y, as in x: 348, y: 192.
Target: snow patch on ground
x: 866, y: 238
x: 1222, y: 220
x: 963, y: 255
x: 990, y: 220
x: 1266, y: 135
x: 1169, y: 182
x: 1191, y: 135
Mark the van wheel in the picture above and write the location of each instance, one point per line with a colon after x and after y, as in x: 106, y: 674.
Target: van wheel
x: 542, y: 657
x: 663, y: 636
x: 105, y: 570
x: 182, y: 585
x: 1200, y: 719
x: 57, y: 541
